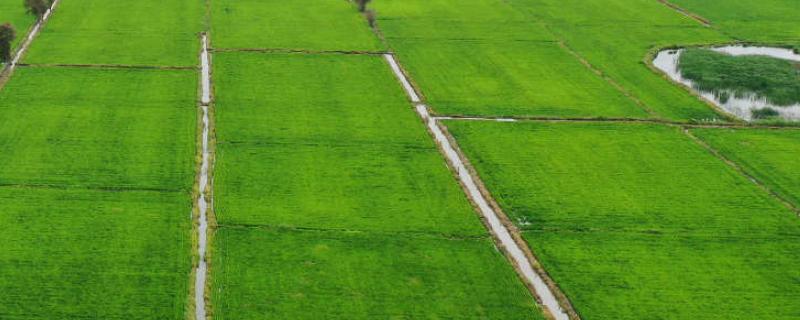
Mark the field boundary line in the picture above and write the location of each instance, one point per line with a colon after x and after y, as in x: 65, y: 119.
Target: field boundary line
x: 202, y: 213
x: 406, y: 233
x: 602, y: 75
x: 506, y: 236
x: 736, y: 167
x: 103, y: 66
x: 8, y: 70
x: 87, y: 188
x: 300, y: 51
x: 696, y: 17
x: 722, y: 125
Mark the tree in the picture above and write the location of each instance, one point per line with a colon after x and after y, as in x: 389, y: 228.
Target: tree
x: 7, y: 35
x: 37, y: 7
x: 362, y: 5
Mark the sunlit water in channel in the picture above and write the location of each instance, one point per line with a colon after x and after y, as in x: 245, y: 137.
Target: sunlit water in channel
x: 741, y: 106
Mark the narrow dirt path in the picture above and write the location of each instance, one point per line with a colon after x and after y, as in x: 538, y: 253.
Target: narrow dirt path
x: 204, y: 186
x: 499, y: 230
x: 9, y: 68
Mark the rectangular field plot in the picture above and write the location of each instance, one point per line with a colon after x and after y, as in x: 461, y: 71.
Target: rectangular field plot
x: 754, y: 20
x: 638, y: 221
x: 299, y: 25
x: 12, y: 11
x: 616, y: 37
x: 117, y: 129
x: 322, y: 173
x: 78, y: 254
x: 477, y: 20
x: 264, y: 274
x: 351, y: 155
x: 512, y: 79
x: 147, y: 32
x: 769, y: 155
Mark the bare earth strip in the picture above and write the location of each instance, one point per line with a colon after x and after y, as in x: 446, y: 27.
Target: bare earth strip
x: 540, y: 287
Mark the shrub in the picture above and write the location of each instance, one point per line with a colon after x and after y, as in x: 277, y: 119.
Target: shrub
x: 7, y: 35
x: 362, y: 5
x: 37, y: 7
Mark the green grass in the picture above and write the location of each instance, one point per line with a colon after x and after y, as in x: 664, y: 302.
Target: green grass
x: 487, y: 58
x: 320, y: 179
x: 78, y: 254
x: 301, y: 25
x: 775, y: 79
x: 769, y: 155
x: 339, y: 125
x: 147, y: 32
x: 268, y: 274
x: 616, y: 36
x: 119, y: 129
x: 95, y: 193
x: 512, y: 79
x: 13, y: 12
x: 638, y: 221
x: 753, y: 20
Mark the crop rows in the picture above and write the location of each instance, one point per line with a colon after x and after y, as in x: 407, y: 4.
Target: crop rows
x: 98, y: 164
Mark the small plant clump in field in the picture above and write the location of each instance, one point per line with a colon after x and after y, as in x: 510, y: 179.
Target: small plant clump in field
x: 7, y: 35
x: 765, y: 113
x: 775, y: 79
x: 362, y: 5
x: 37, y: 7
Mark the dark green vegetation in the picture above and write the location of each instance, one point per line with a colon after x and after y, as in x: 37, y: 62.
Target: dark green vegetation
x: 13, y: 12
x: 95, y: 189
x: 7, y: 36
x: 332, y: 200
x: 639, y: 221
x: 768, y: 154
x: 147, y: 32
x: 765, y: 114
x: 298, y: 25
x: 776, y: 79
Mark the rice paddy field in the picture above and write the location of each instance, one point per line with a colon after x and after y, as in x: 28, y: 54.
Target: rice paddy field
x: 331, y: 192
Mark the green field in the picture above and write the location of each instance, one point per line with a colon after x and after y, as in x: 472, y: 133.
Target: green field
x: 92, y: 254
x: 751, y: 20
x: 13, y: 12
x: 117, y: 129
x: 769, y: 155
x: 336, y: 164
x: 639, y: 221
x: 147, y: 32
x: 331, y: 199
x: 296, y: 25
x: 96, y: 183
x: 480, y: 69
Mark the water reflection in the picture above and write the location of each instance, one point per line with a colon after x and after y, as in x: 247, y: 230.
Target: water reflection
x: 742, y: 106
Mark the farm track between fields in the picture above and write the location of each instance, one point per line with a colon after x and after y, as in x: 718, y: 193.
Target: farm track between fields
x: 8, y: 69
x: 542, y: 286
x: 204, y: 197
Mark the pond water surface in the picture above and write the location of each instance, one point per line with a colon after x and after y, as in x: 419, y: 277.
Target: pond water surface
x: 739, y: 105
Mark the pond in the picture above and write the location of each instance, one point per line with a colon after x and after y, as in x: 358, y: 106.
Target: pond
x: 749, y: 82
